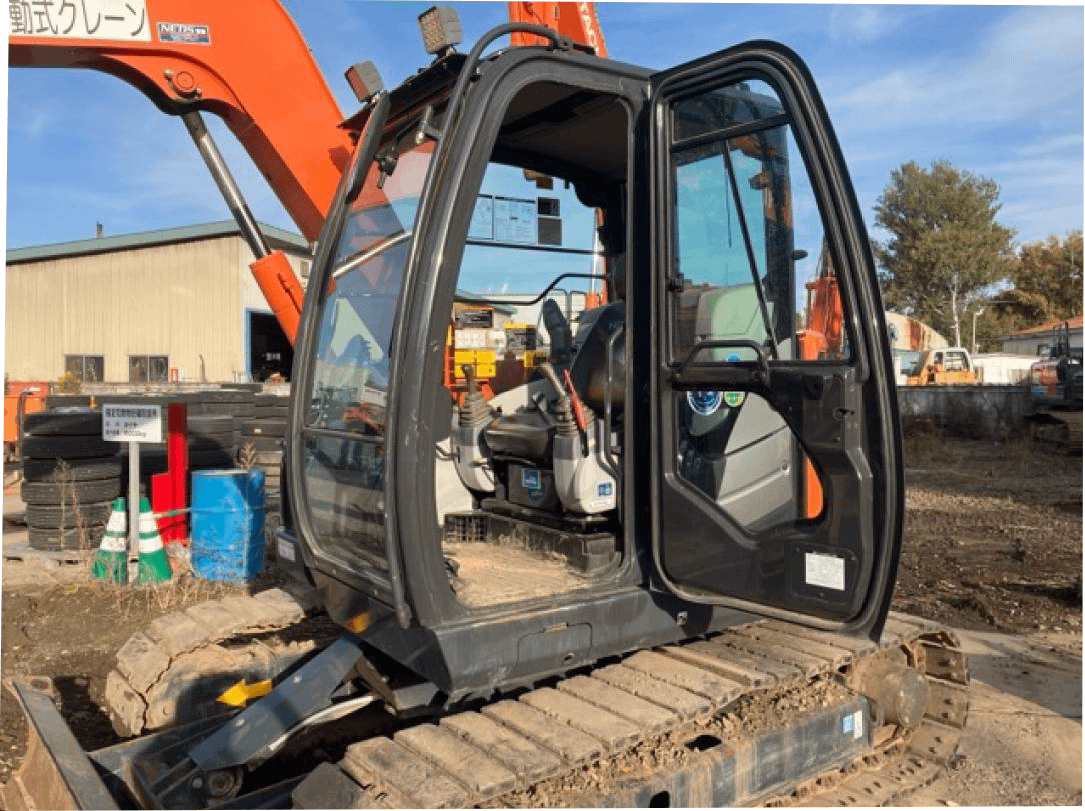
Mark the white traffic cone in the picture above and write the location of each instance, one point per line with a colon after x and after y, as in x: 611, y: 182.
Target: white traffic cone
x: 111, y: 562
x: 154, y: 563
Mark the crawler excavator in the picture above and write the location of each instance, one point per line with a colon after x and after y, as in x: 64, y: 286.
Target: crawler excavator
x: 1055, y: 386
x: 657, y: 573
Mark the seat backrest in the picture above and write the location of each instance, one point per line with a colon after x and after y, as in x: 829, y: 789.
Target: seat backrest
x: 589, y: 368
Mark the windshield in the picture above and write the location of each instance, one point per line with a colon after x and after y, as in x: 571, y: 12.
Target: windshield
x: 343, y: 449
x: 359, y: 303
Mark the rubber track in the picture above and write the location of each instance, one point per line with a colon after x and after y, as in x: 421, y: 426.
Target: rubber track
x: 486, y: 756
x: 155, y: 665
x: 1063, y: 432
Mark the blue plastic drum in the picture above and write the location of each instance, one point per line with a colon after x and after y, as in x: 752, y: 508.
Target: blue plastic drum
x: 227, y: 536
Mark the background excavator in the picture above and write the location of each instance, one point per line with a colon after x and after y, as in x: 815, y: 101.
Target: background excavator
x: 587, y: 588
x: 1055, y: 388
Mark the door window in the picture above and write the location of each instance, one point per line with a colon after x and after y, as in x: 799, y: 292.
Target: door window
x: 751, y: 284
x: 766, y: 493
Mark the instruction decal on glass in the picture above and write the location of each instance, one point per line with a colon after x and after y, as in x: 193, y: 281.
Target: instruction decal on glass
x: 482, y: 220
x: 515, y: 220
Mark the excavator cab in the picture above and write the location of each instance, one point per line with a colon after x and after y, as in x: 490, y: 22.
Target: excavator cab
x: 668, y: 456
x: 655, y: 462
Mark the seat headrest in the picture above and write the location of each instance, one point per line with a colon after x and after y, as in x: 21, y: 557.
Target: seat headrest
x: 618, y: 277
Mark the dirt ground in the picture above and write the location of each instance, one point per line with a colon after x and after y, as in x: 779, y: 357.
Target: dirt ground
x: 993, y: 546
x: 992, y: 536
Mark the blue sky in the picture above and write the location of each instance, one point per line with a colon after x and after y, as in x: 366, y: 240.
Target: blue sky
x: 996, y: 90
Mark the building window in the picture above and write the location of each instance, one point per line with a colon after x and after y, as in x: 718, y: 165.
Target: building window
x: 148, y: 368
x: 85, y: 368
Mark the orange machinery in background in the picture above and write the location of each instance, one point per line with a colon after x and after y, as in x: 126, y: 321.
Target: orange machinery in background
x: 821, y: 337
x: 20, y: 397
x: 577, y: 21
x: 823, y: 333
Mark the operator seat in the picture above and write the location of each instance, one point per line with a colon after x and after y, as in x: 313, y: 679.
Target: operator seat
x: 589, y: 370
x: 528, y: 436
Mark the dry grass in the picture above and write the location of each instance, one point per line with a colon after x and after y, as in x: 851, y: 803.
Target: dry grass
x: 932, y: 449
x: 178, y: 592
x: 246, y: 456
x: 182, y: 589
x: 69, y: 504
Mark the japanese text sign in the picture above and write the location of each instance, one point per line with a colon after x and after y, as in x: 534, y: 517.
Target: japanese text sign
x: 80, y: 19
x: 132, y: 423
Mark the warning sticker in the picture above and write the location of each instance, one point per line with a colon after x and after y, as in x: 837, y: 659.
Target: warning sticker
x: 286, y: 550
x: 124, y: 20
x: 853, y: 724
x: 826, y: 571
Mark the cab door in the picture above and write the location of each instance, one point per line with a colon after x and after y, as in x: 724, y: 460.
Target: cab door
x: 778, y: 484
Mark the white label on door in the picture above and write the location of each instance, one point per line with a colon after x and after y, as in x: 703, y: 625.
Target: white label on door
x: 826, y: 571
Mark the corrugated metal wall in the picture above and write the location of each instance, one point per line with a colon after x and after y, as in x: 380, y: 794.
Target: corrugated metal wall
x: 183, y: 300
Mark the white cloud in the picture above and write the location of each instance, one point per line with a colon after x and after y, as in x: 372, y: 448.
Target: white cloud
x: 32, y: 123
x: 1029, y: 62
x: 1004, y: 102
x: 853, y: 23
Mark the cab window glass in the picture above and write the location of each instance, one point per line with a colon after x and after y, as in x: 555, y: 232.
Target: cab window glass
x: 344, y: 452
x: 749, y: 256
x: 750, y: 281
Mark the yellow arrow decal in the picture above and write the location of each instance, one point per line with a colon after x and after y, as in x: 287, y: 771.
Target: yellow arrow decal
x: 240, y: 693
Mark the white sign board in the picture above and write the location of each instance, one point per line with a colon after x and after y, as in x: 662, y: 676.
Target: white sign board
x: 515, y: 220
x: 482, y: 220
x: 124, y: 20
x: 132, y: 423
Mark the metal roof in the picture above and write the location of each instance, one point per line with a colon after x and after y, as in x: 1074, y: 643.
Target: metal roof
x: 1075, y: 323
x: 144, y: 239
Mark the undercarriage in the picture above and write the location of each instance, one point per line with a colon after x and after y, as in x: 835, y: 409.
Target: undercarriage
x: 762, y: 713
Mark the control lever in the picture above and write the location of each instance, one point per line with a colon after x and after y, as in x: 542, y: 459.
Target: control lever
x: 567, y: 422
x: 578, y: 406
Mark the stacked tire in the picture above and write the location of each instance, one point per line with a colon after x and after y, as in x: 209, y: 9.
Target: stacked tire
x: 215, y: 420
x: 70, y: 478
x: 261, y: 444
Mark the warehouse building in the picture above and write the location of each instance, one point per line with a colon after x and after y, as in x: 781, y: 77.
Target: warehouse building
x: 1042, y: 339
x: 176, y: 304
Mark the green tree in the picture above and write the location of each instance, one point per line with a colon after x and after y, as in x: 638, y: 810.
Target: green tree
x: 945, y: 249
x: 1047, y: 278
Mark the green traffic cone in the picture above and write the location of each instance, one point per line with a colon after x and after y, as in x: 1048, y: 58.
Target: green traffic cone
x: 111, y: 562
x: 154, y: 563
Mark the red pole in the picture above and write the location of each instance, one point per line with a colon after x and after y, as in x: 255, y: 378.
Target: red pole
x: 176, y: 526
x: 162, y: 502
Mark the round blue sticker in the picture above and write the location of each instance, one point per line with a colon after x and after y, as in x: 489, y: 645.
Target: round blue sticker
x: 704, y: 403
